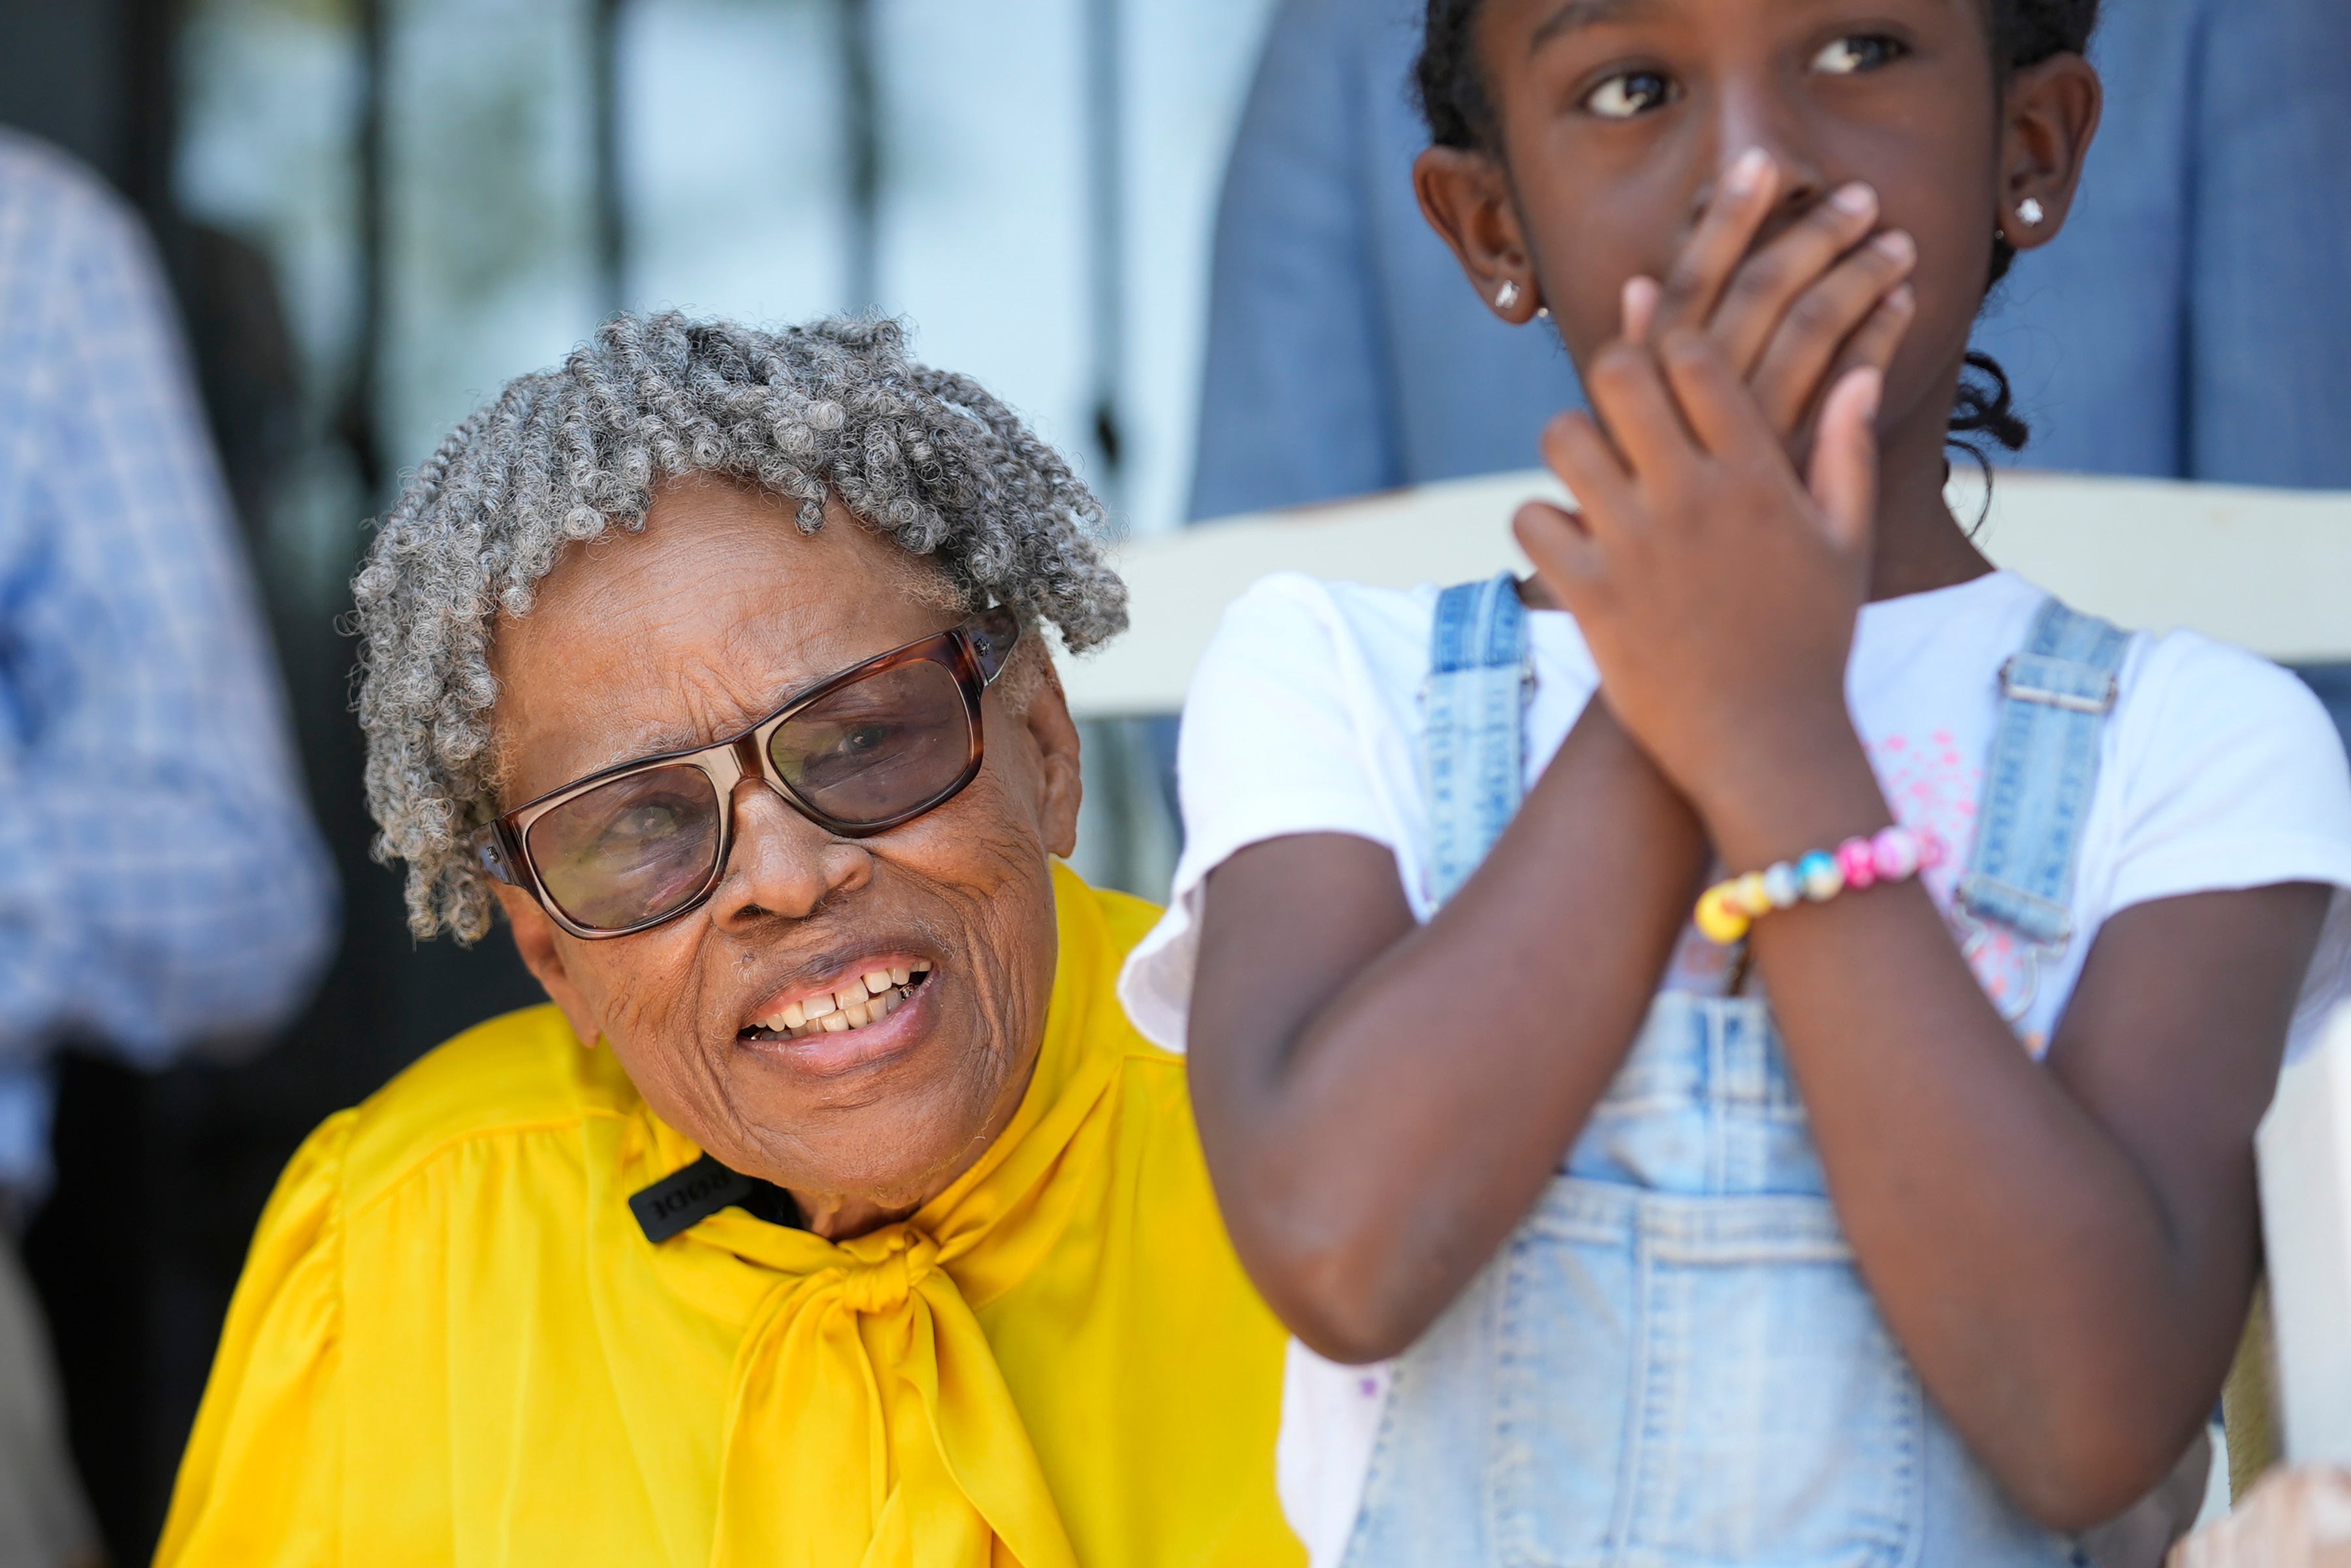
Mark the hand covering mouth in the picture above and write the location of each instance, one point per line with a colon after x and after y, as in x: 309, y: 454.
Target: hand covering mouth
x: 864, y: 997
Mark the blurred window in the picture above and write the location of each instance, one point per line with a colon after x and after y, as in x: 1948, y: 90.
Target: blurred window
x: 1032, y: 182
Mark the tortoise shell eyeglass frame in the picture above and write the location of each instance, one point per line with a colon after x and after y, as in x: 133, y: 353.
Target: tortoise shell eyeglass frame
x: 973, y: 654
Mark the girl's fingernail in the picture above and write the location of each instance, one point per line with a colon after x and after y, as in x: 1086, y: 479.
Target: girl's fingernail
x: 1857, y: 198
x: 1747, y: 174
x: 1896, y: 246
x: 1639, y: 306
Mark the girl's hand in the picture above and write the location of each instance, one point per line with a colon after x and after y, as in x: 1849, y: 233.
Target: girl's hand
x: 1716, y: 588
x: 1820, y: 298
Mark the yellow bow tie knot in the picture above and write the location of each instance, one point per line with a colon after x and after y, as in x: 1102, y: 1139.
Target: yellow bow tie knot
x: 869, y: 1426
x: 881, y: 1283
x: 926, y: 1459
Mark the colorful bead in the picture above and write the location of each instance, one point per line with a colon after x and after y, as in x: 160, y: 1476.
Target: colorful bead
x: 1749, y: 896
x: 1729, y: 886
x: 1895, y: 853
x: 1820, y: 876
x: 1727, y: 910
x: 1718, y: 921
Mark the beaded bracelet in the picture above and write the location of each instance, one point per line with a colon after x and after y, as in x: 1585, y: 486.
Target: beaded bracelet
x: 1727, y: 909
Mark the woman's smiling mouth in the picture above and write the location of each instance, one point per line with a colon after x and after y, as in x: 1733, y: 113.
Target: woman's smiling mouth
x: 862, y: 999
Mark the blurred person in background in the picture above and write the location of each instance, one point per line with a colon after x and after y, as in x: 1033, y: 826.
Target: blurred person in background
x: 162, y: 884
x: 2195, y: 325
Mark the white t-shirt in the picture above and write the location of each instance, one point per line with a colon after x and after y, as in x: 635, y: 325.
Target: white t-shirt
x: 2218, y: 770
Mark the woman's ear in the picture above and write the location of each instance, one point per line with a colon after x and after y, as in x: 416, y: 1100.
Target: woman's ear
x: 539, y: 943
x: 1467, y: 200
x: 1046, y: 716
x: 2052, y: 113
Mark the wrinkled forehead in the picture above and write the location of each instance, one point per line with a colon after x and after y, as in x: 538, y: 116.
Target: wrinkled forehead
x: 691, y: 630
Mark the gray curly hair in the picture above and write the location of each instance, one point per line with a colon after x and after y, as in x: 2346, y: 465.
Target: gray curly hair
x: 832, y: 408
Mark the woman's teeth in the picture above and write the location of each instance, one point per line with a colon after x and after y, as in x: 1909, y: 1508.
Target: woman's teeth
x: 869, y: 998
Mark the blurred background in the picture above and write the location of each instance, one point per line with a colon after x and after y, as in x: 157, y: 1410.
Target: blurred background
x: 373, y: 213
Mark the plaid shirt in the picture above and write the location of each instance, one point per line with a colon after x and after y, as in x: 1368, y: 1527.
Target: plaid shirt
x: 160, y: 880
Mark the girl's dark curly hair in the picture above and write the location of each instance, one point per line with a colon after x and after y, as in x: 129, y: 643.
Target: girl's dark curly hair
x: 1451, y: 87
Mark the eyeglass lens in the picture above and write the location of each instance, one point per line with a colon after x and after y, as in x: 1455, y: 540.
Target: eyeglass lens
x: 888, y: 743
x: 617, y: 855
x: 643, y: 846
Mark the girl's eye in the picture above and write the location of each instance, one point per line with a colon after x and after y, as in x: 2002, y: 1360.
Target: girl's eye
x: 1629, y: 93
x: 1851, y: 57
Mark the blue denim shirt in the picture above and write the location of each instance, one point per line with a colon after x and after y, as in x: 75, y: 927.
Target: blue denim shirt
x: 161, y: 881
x: 2193, y: 322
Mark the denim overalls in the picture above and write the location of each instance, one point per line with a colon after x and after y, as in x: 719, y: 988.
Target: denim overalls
x: 1673, y: 1363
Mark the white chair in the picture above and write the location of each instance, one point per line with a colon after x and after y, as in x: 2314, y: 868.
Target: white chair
x: 2290, y: 1395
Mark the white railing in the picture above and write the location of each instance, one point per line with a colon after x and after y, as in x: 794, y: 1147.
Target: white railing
x: 2267, y: 568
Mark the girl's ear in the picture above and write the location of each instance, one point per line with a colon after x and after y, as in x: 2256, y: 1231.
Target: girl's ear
x: 1467, y: 200
x: 2052, y: 113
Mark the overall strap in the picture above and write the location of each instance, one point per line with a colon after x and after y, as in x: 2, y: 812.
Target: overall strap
x: 2055, y: 695
x: 1474, y: 708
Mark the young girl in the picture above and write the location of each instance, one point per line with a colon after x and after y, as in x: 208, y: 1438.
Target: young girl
x: 1938, y: 1255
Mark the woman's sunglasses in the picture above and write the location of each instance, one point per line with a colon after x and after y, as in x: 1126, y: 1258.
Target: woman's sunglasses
x: 857, y: 754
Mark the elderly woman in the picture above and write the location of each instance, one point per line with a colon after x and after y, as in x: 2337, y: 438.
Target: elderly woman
x: 833, y: 1214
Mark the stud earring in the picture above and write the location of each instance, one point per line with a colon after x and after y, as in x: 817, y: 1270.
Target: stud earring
x: 2031, y: 211
x: 1506, y: 297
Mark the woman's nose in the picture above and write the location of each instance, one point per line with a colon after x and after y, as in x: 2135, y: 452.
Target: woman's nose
x: 780, y: 862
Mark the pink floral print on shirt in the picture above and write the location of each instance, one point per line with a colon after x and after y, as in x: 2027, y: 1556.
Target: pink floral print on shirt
x: 1932, y: 788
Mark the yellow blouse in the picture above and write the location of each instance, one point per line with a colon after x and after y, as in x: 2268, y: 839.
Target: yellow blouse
x: 453, y: 1344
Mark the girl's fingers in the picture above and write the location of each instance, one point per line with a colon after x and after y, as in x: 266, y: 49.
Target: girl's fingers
x: 1719, y: 407
x: 1628, y: 393
x: 1843, y: 479
x: 1564, y: 551
x: 1575, y: 450
x: 1724, y: 231
x: 1873, y: 348
x: 1639, y: 309
x: 1880, y: 338
x: 1774, y: 283
x: 1793, y: 370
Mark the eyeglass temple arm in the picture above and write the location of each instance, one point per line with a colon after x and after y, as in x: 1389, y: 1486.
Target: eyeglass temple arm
x: 992, y: 634
x: 490, y: 853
